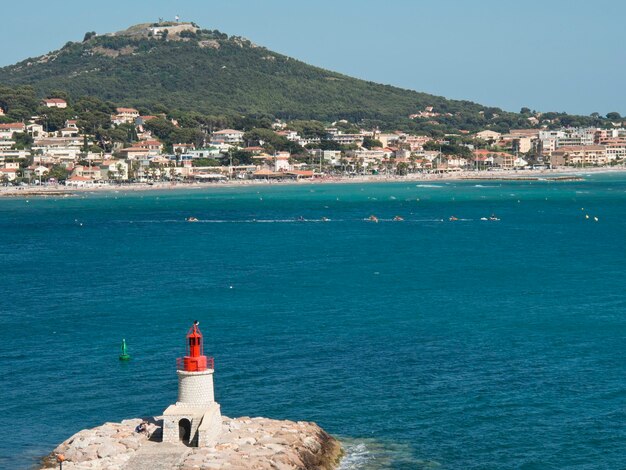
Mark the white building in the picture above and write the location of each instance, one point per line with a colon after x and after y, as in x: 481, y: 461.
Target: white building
x: 35, y: 130
x: 124, y: 116
x: 281, y: 161
x: 207, y: 152
x: 14, y: 154
x: 117, y: 169
x: 7, y: 130
x: 348, y: 139
x: 79, y: 181
x: 228, y: 136
x: 55, y: 103
x: 488, y: 135
x: 8, y: 174
x: 577, y: 136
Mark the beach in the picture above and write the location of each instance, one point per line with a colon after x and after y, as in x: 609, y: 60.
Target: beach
x: 559, y: 174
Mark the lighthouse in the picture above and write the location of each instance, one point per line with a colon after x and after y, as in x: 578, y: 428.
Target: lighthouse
x: 195, y: 419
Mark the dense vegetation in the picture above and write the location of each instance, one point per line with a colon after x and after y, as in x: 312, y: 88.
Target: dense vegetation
x: 207, y: 80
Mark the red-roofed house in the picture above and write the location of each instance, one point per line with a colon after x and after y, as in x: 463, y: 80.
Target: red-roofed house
x: 79, y: 181
x: 55, y: 103
x: 143, y: 149
x: 183, y: 148
x: 125, y: 116
x: 69, y: 132
x: 7, y: 130
x: 8, y: 174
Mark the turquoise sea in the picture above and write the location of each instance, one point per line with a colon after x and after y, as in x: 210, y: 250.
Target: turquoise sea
x: 422, y: 344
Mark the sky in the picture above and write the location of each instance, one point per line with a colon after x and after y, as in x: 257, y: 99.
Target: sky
x: 547, y: 55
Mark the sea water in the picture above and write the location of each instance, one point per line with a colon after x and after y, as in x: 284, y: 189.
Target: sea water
x: 424, y: 343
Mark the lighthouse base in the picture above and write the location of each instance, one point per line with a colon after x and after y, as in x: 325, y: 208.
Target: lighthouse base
x: 192, y: 425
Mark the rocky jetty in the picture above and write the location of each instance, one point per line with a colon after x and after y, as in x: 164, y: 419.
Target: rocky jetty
x: 244, y: 443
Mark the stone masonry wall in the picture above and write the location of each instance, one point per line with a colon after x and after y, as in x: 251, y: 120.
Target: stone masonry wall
x: 195, y: 388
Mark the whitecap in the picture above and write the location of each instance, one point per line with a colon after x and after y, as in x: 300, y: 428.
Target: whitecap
x: 356, y: 457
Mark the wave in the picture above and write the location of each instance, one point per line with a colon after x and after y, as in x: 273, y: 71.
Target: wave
x: 428, y: 186
x: 372, y: 454
x: 231, y: 221
x: 357, y: 457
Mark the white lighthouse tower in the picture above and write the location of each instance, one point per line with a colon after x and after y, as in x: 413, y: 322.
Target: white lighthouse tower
x: 195, y: 419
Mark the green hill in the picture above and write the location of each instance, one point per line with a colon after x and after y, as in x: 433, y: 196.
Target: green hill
x: 169, y: 67
x: 209, y: 72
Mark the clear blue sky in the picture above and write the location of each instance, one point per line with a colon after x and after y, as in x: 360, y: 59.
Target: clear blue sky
x: 550, y: 55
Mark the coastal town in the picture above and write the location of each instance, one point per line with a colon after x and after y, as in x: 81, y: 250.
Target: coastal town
x: 33, y: 154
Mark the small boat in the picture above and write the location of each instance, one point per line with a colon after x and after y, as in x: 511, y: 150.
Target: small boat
x: 452, y: 219
x: 191, y: 219
x: 325, y: 219
x: 397, y: 218
x: 493, y: 218
x: 124, y: 356
x: 373, y: 218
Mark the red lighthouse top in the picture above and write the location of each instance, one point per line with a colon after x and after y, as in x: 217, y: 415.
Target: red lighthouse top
x: 195, y: 360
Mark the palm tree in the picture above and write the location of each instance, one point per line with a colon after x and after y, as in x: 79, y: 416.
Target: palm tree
x: 119, y: 170
x: 413, y: 160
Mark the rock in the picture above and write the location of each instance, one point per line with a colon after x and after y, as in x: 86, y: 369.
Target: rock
x: 312, y: 444
x: 130, y: 443
x: 245, y: 443
x: 109, y: 449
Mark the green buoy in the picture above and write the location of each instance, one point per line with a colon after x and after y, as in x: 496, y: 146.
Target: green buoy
x: 124, y: 356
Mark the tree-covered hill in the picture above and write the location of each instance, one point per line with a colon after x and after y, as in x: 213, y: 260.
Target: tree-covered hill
x: 209, y: 72
x: 171, y: 67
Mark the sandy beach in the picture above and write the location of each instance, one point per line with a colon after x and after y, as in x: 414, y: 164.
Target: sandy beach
x: 559, y: 174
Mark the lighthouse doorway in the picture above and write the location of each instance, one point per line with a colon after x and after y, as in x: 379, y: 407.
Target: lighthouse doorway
x: 184, y: 431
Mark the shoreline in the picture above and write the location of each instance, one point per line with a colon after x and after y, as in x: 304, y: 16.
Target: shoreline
x: 560, y: 174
